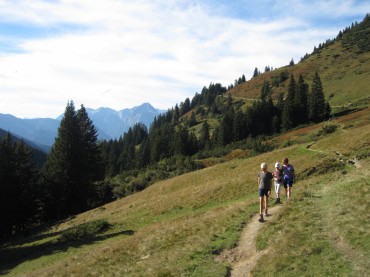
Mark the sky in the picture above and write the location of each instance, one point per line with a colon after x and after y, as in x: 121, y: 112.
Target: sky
x: 122, y: 53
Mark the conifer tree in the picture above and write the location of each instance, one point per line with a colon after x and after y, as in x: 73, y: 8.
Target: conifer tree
x: 175, y: 114
x: 319, y: 109
x: 265, y: 110
x: 19, y: 190
x: 91, y: 163
x: 256, y: 72
x: 287, y: 118
x: 72, y: 164
x: 185, y: 107
x: 301, y: 102
x: 204, y: 138
x: 239, y: 130
x: 276, y: 123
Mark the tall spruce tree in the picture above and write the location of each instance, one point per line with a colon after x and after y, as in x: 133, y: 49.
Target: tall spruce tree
x: 287, y: 118
x: 72, y: 165
x: 319, y: 109
x: 91, y: 161
x: 301, y: 102
x: 266, y: 110
x: 204, y: 139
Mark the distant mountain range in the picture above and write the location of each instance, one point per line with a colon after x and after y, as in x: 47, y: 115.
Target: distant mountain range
x: 110, y: 124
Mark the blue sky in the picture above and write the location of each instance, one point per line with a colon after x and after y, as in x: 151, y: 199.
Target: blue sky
x: 120, y: 53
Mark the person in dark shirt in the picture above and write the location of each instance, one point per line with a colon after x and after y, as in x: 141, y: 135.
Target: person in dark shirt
x: 288, y: 177
x: 264, y: 180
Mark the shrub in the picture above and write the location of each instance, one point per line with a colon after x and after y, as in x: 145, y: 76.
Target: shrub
x: 328, y: 128
x: 85, y: 231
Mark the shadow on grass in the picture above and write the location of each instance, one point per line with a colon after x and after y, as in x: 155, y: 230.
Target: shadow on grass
x: 12, y: 255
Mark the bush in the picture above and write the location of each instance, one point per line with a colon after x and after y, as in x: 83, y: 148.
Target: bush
x: 85, y: 231
x: 328, y: 128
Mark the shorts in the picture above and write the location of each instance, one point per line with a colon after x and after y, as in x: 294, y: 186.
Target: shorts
x: 288, y: 182
x: 264, y: 192
x: 277, y: 186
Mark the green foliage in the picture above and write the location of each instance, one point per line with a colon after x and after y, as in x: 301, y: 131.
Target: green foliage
x: 318, y: 108
x: 129, y: 182
x: 85, y: 231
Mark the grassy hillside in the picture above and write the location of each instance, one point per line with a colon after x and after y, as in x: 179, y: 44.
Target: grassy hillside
x: 343, y: 67
x: 178, y: 227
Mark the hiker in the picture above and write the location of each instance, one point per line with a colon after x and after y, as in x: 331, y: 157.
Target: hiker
x: 264, y: 184
x: 288, y: 177
x: 278, y: 180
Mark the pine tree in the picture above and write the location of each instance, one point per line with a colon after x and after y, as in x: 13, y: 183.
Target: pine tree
x: 185, y: 107
x: 19, y: 190
x: 287, y: 118
x: 59, y: 175
x: 91, y: 161
x: 256, y: 72
x: 301, y: 102
x: 276, y: 123
x: 72, y: 165
x: 319, y: 109
x: 265, y: 110
x: 239, y: 130
x: 204, y: 138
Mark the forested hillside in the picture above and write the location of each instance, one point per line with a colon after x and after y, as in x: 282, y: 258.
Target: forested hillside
x: 342, y: 63
x: 38, y: 156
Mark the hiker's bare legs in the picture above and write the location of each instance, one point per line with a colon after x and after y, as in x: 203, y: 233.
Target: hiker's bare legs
x: 261, y: 205
x: 266, y: 204
x: 289, y: 192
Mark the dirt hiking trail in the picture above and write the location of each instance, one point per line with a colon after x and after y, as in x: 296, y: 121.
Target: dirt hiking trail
x: 244, y: 257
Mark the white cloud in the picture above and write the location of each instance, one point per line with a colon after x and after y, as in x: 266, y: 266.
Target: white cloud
x: 123, y: 54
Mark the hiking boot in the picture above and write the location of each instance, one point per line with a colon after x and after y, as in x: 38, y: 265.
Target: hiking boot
x: 261, y: 218
x: 277, y: 201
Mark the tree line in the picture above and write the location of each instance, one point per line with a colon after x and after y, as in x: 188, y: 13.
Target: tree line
x: 171, y: 135
x: 354, y: 37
